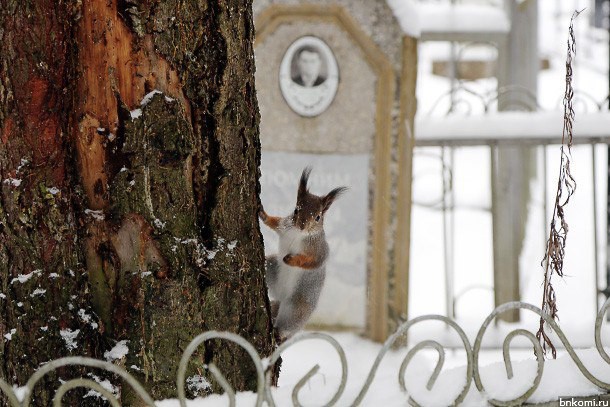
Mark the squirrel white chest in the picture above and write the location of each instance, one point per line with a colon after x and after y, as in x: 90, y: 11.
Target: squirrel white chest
x: 287, y: 281
x: 291, y: 242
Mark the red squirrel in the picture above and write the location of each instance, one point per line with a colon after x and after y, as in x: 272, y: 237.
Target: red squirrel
x: 295, y: 275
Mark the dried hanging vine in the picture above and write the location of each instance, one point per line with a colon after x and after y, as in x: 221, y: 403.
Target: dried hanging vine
x: 566, y: 185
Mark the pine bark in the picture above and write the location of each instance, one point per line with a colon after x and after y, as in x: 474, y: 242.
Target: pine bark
x: 129, y: 161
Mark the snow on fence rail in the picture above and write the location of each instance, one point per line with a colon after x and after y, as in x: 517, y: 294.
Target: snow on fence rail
x: 510, y: 128
x: 263, y: 369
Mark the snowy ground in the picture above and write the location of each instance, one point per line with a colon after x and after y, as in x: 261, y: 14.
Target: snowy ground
x: 473, y: 259
x: 561, y: 377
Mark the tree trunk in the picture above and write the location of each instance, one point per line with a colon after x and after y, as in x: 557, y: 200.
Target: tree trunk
x: 130, y: 164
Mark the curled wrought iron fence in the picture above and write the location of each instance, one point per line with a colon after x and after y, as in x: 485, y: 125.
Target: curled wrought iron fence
x: 263, y: 369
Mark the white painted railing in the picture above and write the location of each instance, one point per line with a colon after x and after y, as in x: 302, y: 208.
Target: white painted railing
x: 263, y: 370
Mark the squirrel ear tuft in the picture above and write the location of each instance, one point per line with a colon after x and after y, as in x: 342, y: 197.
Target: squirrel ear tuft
x: 303, y: 182
x: 332, y: 196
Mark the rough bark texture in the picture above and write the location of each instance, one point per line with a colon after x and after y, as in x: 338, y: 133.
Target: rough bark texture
x: 144, y: 203
x: 43, y: 277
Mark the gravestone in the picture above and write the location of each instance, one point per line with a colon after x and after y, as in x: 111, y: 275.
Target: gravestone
x: 335, y: 84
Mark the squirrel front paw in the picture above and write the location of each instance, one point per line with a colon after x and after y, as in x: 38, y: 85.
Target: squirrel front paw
x: 262, y: 214
x: 304, y: 261
x: 272, y: 221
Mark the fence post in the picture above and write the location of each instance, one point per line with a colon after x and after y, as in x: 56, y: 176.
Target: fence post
x: 514, y: 166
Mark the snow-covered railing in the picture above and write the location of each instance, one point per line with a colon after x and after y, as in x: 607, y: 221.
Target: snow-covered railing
x: 451, y: 21
x: 463, y: 22
x: 510, y: 128
x: 263, y: 367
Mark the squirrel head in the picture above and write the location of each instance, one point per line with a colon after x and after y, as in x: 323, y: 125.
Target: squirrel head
x: 310, y: 209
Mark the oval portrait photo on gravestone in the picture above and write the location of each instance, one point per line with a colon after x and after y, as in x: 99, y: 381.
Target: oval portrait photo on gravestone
x: 309, y: 76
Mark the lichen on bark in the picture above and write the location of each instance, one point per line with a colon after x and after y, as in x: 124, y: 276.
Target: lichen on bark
x: 211, y: 47
x: 156, y: 240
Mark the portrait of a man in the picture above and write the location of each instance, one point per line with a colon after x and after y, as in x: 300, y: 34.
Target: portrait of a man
x: 308, y: 65
x: 309, y: 76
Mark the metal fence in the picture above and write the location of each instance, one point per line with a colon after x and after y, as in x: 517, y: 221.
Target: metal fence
x: 264, y: 366
x: 445, y: 133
